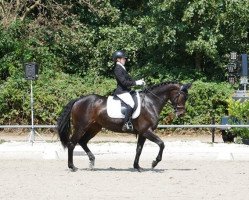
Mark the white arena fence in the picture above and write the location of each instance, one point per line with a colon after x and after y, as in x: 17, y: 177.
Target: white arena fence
x: 27, y: 126
x: 211, y: 126
x: 226, y: 126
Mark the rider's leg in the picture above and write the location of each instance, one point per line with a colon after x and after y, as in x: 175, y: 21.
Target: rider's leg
x: 127, y: 99
x: 127, y: 120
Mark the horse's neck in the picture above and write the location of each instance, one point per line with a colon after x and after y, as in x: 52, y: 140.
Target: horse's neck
x: 160, y: 96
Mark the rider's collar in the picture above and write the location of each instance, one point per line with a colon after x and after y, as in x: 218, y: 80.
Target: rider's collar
x: 121, y: 65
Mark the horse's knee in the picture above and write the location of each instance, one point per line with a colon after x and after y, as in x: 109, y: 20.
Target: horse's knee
x: 161, y: 145
x: 139, y: 149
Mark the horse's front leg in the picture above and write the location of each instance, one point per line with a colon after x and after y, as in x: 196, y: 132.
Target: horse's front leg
x: 140, y: 144
x: 152, y: 137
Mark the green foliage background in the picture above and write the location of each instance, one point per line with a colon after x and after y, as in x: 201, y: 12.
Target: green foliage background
x: 186, y: 41
x: 239, y: 114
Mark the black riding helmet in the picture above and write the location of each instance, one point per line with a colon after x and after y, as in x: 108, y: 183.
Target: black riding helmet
x: 118, y: 54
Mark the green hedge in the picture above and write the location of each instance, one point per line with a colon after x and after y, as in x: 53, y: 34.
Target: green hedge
x: 75, y: 60
x: 53, y: 90
x: 239, y: 114
x: 206, y: 100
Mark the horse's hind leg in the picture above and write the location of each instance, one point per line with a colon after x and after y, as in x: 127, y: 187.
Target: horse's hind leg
x: 83, y: 143
x: 71, y: 145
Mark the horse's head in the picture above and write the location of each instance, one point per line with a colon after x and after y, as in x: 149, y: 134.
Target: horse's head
x: 178, y: 99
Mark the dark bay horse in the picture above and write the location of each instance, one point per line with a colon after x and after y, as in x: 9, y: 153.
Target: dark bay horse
x: 89, y: 115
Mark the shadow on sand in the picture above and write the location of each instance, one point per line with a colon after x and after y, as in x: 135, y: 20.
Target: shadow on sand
x: 111, y: 169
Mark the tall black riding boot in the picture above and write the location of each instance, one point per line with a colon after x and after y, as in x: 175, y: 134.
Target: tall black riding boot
x: 127, y: 120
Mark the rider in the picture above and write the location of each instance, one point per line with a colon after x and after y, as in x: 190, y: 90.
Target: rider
x: 124, y: 83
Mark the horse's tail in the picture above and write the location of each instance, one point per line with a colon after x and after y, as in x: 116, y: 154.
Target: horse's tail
x: 63, y: 123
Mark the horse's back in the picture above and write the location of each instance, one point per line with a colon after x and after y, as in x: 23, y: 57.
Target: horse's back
x: 90, y: 99
x: 88, y: 103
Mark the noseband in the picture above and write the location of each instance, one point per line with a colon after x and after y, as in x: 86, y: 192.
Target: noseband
x: 176, y: 99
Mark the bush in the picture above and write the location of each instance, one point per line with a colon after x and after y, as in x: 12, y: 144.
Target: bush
x: 72, y: 64
x: 206, y: 100
x: 239, y: 114
x: 52, y: 91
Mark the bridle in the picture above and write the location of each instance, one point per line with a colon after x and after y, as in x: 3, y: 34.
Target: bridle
x: 176, y: 99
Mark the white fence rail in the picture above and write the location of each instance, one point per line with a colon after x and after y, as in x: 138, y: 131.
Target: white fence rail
x: 27, y: 126
x: 227, y: 126
x: 211, y: 126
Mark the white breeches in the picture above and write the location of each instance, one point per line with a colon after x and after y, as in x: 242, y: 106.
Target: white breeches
x: 126, y: 97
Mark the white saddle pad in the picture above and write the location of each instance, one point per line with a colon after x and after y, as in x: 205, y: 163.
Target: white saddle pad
x: 114, y: 108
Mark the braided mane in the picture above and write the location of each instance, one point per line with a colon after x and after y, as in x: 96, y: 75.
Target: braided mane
x: 158, y: 85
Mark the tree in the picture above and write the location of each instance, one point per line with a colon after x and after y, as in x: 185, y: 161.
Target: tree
x: 13, y: 10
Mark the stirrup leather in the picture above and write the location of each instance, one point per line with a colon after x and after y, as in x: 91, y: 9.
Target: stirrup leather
x: 127, y: 126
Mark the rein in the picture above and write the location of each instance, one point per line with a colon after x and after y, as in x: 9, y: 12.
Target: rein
x: 175, y: 107
x: 153, y: 94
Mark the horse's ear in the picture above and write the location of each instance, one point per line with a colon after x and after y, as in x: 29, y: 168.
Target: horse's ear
x: 188, y: 85
x: 185, y: 87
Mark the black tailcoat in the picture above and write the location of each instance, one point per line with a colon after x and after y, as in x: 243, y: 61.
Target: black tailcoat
x: 124, y: 80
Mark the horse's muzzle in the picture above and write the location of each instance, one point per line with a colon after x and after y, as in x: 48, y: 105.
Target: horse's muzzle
x: 180, y: 113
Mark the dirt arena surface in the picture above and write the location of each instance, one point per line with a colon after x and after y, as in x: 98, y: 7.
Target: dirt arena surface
x: 114, y: 178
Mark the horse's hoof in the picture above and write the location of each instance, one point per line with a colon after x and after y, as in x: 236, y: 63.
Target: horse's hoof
x: 154, y: 163
x: 139, y: 169
x: 73, y: 169
x: 91, y: 165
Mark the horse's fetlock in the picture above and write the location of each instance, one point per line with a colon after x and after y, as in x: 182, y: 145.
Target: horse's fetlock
x: 158, y: 159
x: 135, y: 165
x: 91, y: 156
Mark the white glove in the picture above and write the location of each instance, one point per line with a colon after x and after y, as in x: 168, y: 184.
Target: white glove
x: 140, y: 82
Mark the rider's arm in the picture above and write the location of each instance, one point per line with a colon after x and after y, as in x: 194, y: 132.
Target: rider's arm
x: 123, y: 77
